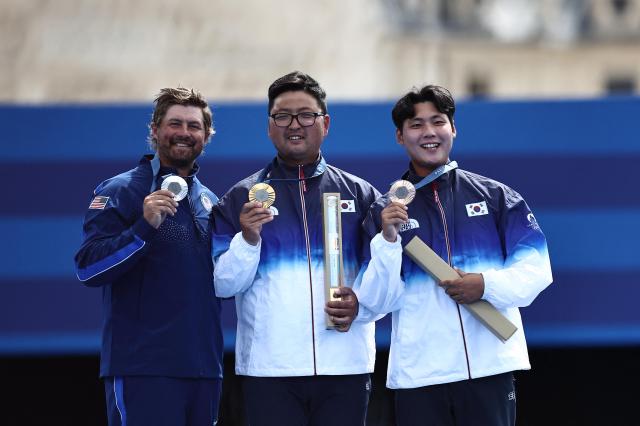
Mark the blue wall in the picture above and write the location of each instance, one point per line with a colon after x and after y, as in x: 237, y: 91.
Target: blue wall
x: 575, y: 162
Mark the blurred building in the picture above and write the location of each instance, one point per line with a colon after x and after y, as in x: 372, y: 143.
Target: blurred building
x: 125, y: 50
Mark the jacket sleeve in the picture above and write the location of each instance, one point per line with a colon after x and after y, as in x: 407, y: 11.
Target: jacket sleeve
x: 527, y: 269
x: 236, y: 261
x: 236, y: 268
x: 114, y: 240
x: 382, y: 286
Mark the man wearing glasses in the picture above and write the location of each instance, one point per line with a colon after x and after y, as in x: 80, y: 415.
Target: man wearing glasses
x: 295, y: 370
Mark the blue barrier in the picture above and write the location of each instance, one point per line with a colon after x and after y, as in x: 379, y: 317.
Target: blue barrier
x: 575, y: 162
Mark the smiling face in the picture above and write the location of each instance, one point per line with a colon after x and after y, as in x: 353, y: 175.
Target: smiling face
x: 295, y: 144
x: 180, y: 137
x: 427, y: 137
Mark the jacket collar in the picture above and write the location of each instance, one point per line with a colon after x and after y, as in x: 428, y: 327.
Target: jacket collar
x: 159, y: 172
x: 278, y: 170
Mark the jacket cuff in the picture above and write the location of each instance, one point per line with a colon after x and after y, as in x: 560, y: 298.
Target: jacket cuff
x: 143, y: 230
x: 490, y: 277
x: 238, y: 243
x: 380, y: 245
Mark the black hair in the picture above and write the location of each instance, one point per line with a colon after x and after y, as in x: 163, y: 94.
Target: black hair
x: 441, y: 98
x: 297, y: 81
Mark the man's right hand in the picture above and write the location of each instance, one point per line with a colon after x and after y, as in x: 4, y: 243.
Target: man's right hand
x: 252, y: 217
x: 157, y: 206
x: 394, y: 215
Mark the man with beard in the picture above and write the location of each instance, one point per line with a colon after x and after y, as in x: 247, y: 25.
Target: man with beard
x: 150, y: 250
x: 446, y: 368
x: 294, y: 370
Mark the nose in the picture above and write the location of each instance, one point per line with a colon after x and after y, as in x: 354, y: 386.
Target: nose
x: 429, y: 131
x: 184, y: 130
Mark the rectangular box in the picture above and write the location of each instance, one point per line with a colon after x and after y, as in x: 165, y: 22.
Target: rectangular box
x: 333, y: 266
x: 482, y: 310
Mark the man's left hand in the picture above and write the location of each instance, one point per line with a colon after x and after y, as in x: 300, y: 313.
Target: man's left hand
x: 468, y: 288
x: 344, y: 310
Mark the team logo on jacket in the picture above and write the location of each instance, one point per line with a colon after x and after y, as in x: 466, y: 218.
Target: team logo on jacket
x: 477, y: 209
x: 411, y: 224
x: 98, y: 203
x: 274, y: 210
x: 347, y: 206
x: 206, y: 202
x: 533, y: 223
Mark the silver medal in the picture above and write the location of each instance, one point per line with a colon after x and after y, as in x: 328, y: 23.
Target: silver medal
x: 177, y: 185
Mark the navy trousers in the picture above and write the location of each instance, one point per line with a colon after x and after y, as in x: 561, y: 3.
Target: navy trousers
x: 160, y: 401
x: 489, y: 401
x: 307, y: 401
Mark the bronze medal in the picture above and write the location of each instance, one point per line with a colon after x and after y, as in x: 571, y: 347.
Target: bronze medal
x: 402, y: 191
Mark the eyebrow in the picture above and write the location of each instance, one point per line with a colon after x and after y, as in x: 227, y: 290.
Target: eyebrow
x: 289, y: 110
x: 431, y: 117
x: 180, y: 120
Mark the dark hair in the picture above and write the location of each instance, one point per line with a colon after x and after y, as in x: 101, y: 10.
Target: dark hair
x: 180, y: 96
x: 297, y: 81
x: 404, y: 109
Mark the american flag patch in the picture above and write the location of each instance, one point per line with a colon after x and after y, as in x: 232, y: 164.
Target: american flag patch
x: 98, y: 203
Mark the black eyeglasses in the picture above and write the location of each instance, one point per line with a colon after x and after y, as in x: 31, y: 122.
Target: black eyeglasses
x: 305, y: 119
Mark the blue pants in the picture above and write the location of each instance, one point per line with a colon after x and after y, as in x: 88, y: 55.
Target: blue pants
x: 484, y: 401
x: 159, y: 401
x: 308, y: 400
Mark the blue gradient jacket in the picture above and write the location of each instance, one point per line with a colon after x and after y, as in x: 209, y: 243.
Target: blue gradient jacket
x: 279, y: 284
x: 161, y: 316
x: 477, y: 225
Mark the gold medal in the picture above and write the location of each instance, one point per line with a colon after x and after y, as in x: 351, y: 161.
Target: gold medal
x: 262, y: 193
x: 402, y: 191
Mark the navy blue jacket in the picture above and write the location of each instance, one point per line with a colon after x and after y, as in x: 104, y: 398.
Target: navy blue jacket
x: 161, y: 315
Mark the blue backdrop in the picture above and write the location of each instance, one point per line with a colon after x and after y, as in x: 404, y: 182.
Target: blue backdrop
x: 575, y: 162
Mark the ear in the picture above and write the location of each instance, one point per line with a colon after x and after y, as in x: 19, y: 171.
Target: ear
x: 399, y: 137
x: 326, y: 121
x: 269, y: 124
x: 453, y: 129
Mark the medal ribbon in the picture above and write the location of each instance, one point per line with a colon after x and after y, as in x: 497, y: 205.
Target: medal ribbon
x: 445, y: 168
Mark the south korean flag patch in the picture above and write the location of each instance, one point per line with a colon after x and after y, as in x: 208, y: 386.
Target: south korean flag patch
x: 477, y: 209
x: 347, y: 206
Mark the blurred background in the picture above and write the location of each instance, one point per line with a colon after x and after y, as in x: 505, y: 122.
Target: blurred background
x: 548, y: 98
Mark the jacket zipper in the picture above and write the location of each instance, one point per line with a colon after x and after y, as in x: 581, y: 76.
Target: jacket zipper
x: 302, y: 188
x: 434, y: 185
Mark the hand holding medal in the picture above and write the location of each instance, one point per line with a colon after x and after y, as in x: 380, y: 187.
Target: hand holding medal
x: 252, y: 217
x: 394, y: 215
x: 159, y: 204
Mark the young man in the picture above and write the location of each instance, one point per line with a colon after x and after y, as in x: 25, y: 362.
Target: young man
x: 296, y: 371
x: 161, y: 357
x: 446, y: 367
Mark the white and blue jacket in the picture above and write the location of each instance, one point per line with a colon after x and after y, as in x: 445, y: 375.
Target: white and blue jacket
x: 161, y: 315
x: 477, y: 225
x: 279, y: 284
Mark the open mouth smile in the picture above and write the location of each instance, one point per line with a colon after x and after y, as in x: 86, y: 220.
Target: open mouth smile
x: 430, y: 145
